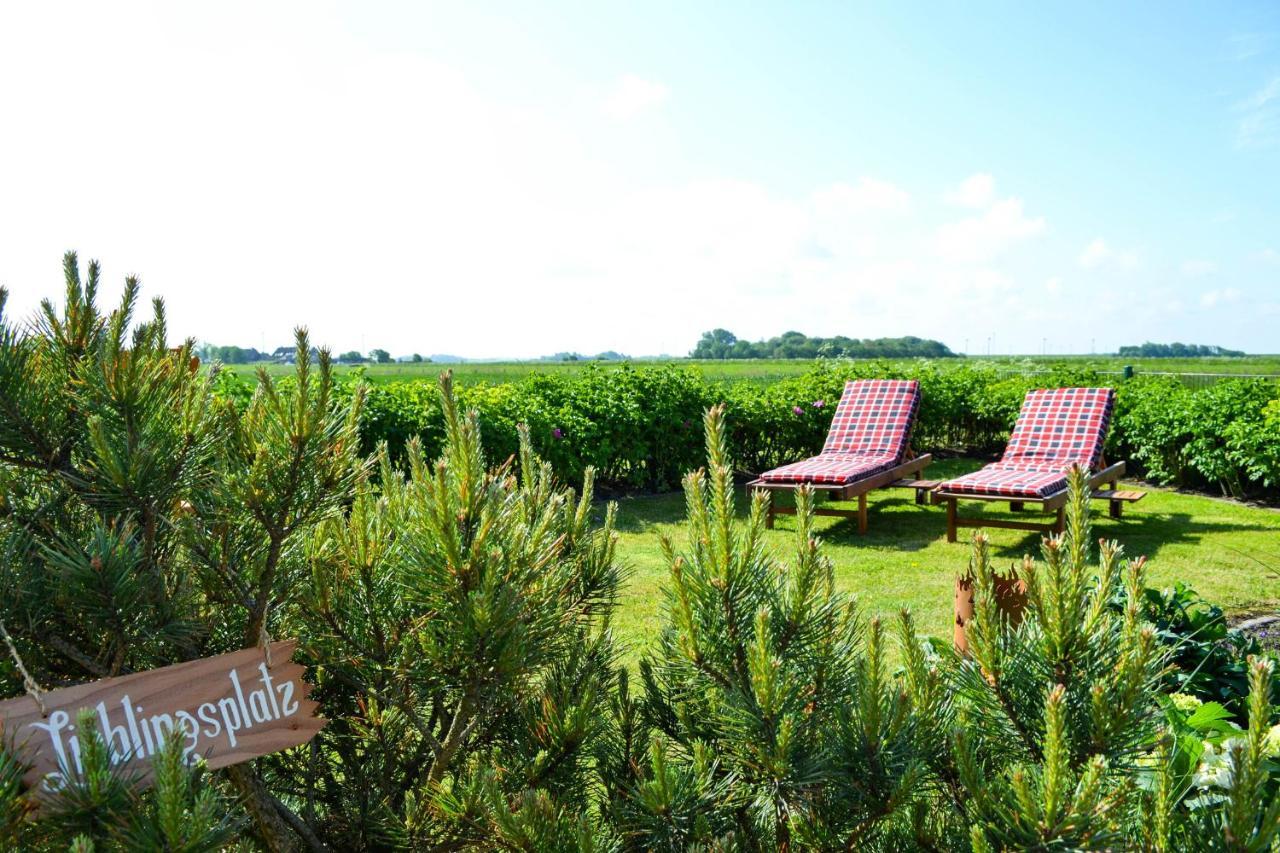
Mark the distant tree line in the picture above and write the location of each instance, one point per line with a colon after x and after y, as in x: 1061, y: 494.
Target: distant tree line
x: 721, y: 343
x: 607, y: 355
x: 249, y: 355
x: 1175, y: 350
x: 232, y: 354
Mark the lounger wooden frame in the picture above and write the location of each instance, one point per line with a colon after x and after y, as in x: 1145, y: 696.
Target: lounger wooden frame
x: 897, y: 477
x: 1055, y: 503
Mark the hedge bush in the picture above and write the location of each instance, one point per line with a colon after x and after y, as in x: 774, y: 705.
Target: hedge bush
x: 638, y: 425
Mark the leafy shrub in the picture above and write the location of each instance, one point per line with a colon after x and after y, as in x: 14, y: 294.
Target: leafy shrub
x: 1152, y: 427
x: 1220, y: 435
x: 1208, y: 659
x: 637, y: 425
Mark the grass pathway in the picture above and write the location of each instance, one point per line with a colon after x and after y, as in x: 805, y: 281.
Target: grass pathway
x: 1228, y: 552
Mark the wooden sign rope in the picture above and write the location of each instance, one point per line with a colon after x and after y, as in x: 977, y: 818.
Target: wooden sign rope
x: 28, y: 683
x: 226, y: 709
x: 264, y: 639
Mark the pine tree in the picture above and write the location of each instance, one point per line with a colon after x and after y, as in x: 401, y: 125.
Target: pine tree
x: 102, y: 434
x: 143, y: 523
x: 1051, y: 714
x: 1061, y: 738
x: 769, y: 720
x: 459, y: 619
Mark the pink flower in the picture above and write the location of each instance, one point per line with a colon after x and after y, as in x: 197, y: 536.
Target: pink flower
x: 818, y: 404
x: 557, y: 433
x: 797, y: 410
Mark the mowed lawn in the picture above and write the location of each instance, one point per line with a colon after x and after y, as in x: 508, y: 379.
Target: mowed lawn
x: 1228, y: 552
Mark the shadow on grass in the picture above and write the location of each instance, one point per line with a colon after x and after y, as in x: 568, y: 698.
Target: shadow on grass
x: 1146, y: 534
x: 642, y: 513
x: 900, y: 523
x: 896, y: 522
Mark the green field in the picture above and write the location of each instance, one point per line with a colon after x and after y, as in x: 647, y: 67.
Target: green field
x: 764, y: 371
x: 1227, y: 551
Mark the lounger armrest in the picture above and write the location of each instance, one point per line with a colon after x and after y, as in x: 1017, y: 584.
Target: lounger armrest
x: 1114, y: 471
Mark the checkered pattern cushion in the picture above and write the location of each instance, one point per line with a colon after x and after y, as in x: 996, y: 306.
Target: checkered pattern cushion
x: 1003, y: 480
x: 1061, y: 426
x: 1056, y: 429
x: 831, y: 469
x: 874, y: 416
x: 868, y: 435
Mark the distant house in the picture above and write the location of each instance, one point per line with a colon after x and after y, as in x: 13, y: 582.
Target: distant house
x: 288, y: 355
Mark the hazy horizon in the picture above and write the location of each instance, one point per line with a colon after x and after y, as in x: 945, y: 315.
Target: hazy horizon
x: 514, y: 181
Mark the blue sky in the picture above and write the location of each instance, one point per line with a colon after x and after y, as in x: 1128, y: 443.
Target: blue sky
x: 517, y: 179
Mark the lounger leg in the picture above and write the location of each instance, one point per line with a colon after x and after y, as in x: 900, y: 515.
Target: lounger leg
x: 1060, y: 525
x: 922, y: 496
x: 1117, y: 509
x: 951, y: 519
x: 862, y: 513
x: 1015, y: 506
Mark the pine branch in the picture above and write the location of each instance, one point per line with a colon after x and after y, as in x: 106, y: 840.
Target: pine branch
x: 68, y: 650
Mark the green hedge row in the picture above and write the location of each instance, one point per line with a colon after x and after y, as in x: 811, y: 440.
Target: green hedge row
x: 640, y: 426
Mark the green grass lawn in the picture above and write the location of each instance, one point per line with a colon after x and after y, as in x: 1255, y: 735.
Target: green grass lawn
x: 1229, y: 552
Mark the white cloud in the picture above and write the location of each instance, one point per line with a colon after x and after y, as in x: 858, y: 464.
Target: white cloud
x: 1269, y: 256
x: 633, y: 95
x: 293, y: 172
x: 1197, y: 268
x: 1225, y: 296
x: 976, y: 191
x: 867, y: 195
x: 1259, y: 125
x: 1095, y: 254
x: 979, y: 239
x: 856, y: 219
x: 1098, y: 253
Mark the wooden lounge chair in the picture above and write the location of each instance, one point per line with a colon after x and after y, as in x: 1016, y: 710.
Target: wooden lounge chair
x: 867, y: 447
x: 1056, y: 429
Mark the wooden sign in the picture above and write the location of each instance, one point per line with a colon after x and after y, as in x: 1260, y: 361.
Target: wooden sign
x: 228, y: 709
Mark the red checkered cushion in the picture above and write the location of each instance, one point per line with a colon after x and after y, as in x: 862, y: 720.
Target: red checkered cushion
x: 1061, y: 426
x: 831, y: 469
x: 874, y: 416
x: 1057, y: 428
x: 1002, y: 480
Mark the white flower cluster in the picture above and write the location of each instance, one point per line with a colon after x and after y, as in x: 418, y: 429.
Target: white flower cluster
x: 1215, y: 767
x: 1216, y: 764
